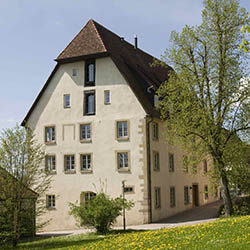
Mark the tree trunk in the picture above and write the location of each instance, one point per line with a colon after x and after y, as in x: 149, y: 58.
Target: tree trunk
x: 226, y: 196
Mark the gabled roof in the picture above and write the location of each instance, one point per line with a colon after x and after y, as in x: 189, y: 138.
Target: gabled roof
x: 6, y: 177
x: 95, y: 41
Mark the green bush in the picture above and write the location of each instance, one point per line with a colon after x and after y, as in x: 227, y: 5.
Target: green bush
x: 241, y: 206
x: 100, y: 212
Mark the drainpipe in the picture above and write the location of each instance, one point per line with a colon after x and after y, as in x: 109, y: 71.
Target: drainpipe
x: 149, y: 166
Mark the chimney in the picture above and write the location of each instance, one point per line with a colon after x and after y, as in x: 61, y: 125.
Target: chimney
x: 135, y: 42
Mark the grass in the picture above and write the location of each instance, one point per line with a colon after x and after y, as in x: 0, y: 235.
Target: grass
x: 228, y: 233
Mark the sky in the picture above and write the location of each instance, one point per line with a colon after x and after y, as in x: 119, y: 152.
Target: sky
x: 33, y: 33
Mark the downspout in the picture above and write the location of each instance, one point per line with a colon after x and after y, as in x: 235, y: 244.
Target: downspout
x: 149, y: 166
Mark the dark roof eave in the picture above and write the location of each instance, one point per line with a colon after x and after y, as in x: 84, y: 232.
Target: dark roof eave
x: 4, y: 171
x: 147, y: 106
x: 83, y: 57
x: 60, y: 61
x: 39, y: 96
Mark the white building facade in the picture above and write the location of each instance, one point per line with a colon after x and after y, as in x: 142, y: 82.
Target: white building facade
x: 96, y: 117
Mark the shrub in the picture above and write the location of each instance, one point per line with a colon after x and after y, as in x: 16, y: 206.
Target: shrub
x: 100, y: 212
x: 241, y: 206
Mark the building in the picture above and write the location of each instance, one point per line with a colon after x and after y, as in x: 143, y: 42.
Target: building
x: 96, y: 116
x: 27, y: 200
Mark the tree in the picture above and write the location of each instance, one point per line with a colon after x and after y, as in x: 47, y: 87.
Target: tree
x: 21, y: 159
x: 100, y: 212
x: 245, y: 44
x: 239, y: 168
x: 205, y: 102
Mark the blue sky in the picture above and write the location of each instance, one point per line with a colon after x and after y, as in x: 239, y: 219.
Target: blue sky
x: 33, y: 33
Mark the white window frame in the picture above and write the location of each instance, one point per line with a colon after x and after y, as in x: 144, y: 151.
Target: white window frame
x: 50, y: 134
x: 66, y: 101
x: 86, y: 196
x: 50, y: 163
x: 51, y: 201
x: 87, y: 158
x: 87, y: 128
x: 72, y: 163
x: 123, y: 164
x: 107, y: 99
x: 124, y: 135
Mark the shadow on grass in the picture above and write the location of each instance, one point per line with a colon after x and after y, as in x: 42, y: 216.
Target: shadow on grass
x: 50, y: 242
x: 53, y: 244
x: 120, y: 231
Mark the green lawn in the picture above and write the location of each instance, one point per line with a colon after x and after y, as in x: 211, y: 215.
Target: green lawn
x: 231, y: 233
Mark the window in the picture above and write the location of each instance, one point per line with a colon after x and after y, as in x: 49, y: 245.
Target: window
x: 89, y: 103
x: 171, y: 162
x: 156, y: 100
x: 106, y: 97
x: 74, y: 72
x: 69, y: 163
x: 122, y: 130
x: 206, y: 192
x: 156, y: 159
x: 123, y: 161
x: 85, y: 162
x: 157, y: 197
x: 155, y: 131
x: 85, y: 132
x: 90, y: 73
x: 66, y: 101
x: 205, y: 166
x: 87, y: 196
x: 194, y: 169
x: 186, y: 195
x: 172, y: 196
x: 128, y: 189
x: 185, y: 163
x: 50, y: 163
x: 50, y: 134
x: 216, y: 192
x: 51, y: 201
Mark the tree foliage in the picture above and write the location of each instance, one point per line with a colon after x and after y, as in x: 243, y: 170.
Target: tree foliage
x: 205, y: 101
x: 100, y: 212
x: 22, y: 178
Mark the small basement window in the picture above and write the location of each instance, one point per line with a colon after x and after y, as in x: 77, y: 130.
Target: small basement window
x: 128, y: 189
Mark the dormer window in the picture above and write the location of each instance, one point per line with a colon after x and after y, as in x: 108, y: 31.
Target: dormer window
x: 156, y: 100
x: 90, y: 73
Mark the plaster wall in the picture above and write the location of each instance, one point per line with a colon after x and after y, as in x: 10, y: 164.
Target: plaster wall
x: 103, y: 146
x: 178, y: 179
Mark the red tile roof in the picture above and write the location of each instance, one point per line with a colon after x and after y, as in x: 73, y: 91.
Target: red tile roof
x: 95, y: 41
x: 86, y: 42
